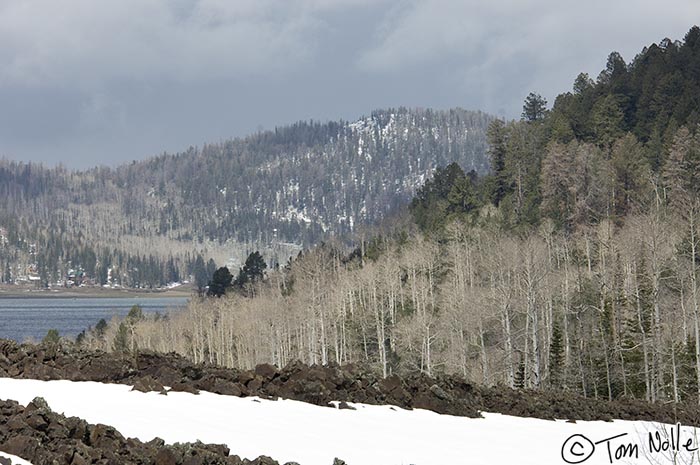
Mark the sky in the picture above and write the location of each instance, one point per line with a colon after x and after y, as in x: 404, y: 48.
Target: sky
x: 85, y: 83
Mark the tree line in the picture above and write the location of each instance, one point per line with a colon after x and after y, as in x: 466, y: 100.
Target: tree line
x: 572, y: 265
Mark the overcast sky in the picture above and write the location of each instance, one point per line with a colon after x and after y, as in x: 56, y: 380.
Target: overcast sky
x: 86, y: 82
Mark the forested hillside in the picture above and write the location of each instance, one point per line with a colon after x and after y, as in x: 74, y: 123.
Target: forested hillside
x: 573, y: 264
x: 146, y: 223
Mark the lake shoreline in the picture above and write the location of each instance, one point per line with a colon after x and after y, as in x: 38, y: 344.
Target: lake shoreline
x: 30, y: 317
x: 17, y: 292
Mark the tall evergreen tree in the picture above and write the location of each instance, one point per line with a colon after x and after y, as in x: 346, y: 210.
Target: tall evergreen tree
x: 220, y: 282
x: 556, y: 357
x: 497, y: 152
x: 200, y: 273
x: 534, y: 108
x: 252, y: 271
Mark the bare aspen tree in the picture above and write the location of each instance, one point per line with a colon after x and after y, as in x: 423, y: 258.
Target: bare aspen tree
x: 503, y: 286
x: 679, y: 177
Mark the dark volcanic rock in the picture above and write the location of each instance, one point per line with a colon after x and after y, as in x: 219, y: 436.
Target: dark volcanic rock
x: 184, y: 387
x: 21, y: 446
x: 81, y: 443
x: 266, y: 371
x: 166, y: 457
x: 37, y: 421
x: 320, y: 385
x: 147, y: 384
x: 344, y: 406
x: 439, y: 392
x: 39, y: 404
x: 390, y: 384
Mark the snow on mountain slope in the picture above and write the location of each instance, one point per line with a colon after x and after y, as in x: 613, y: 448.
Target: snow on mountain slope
x: 311, y: 435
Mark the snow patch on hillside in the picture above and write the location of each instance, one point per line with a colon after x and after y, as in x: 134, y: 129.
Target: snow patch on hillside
x: 311, y: 435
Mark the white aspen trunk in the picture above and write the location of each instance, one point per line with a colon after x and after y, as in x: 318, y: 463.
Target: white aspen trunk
x: 379, y: 321
x: 608, y: 377
x: 684, y: 311
x: 565, y: 317
x: 526, y: 372
x: 675, y: 373
x: 624, y: 374
x: 510, y: 358
x: 342, y: 357
x: 582, y: 372
x: 313, y: 348
x: 588, y: 257
x: 500, y: 288
x: 337, y: 333
x: 324, y: 345
x: 658, y: 376
x: 428, y: 344
x: 484, y: 356
x: 645, y: 347
x: 694, y: 290
x: 463, y: 352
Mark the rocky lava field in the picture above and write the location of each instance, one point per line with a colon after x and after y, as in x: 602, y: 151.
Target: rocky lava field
x: 37, y: 434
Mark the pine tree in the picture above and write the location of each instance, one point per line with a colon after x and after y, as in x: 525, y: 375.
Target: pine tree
x: 121, y: 339
x: 608, y: 121
x: 135, y: 314
x: 199, y: 270
x: 220, y: 282
x: 629, y: 171
x: 534, y: 108
x: 253, y: 271
x: 497, y: 139
x: 100, y: 328
x: 52, y: 337
x: 556, y: 358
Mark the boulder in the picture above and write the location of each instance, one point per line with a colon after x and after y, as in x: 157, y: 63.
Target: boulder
x: 390, y: 383
x: 147, y: 384
x: 254, y: 385
x: 245, y: 377
x: 17, y: 424
x: 266, y: 371
x: 38, y: 404
x: 36, y: 421
x: 165, y: 457
x: 345, y: 406
x: 22, y: 446
x: 184, y: 387
x: 439, y: 392
x: 104, y: 437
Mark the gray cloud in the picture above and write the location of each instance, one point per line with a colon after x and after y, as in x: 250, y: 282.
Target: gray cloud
x: 512, y: 44
x: 85, y: 82
x: 88, y: 42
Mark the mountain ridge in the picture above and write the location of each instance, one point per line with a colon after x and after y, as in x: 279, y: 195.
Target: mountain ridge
x: 281, y: 190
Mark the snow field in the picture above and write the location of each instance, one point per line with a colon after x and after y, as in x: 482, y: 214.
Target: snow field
x: 289, y: 430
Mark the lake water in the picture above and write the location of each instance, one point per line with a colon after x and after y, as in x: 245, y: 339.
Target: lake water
x: 28, y: 318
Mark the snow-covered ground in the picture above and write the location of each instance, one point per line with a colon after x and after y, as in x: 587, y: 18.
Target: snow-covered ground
x: 14, y: 459
x: 294, y: 431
